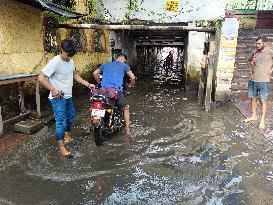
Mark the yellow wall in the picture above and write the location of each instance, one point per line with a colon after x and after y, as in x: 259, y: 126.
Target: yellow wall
x: 22, y: 41
x: 81, y: 6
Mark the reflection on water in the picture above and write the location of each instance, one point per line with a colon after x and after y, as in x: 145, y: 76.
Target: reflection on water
x: 178, y: 154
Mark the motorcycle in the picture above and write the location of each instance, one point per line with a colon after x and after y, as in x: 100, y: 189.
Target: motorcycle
x: 106, y: 116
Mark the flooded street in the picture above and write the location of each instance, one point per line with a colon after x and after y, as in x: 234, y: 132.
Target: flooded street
x: 178, y: 154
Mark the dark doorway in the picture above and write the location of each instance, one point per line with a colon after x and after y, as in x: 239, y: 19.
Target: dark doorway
x: 161, y: 64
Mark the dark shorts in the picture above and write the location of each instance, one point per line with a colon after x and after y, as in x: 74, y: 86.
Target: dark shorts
x: 258, y: 89
x: 121, y: 101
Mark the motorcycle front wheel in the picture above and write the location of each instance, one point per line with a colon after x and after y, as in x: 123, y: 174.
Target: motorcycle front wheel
x: 99, y: 135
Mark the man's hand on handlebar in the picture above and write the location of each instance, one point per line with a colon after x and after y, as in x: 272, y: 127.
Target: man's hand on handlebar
x: 91, y: 86
x: 132, y: 83
x: 98, y: 86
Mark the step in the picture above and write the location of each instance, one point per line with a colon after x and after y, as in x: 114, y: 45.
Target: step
x: 241, y: 63
x: 246, y: 50
x: 253, y: 37
x: 241, y: 59
x: 242, y: 54
x: 238, y: 88
x: 241, y: 73
x: 255, y: 32
x: 241, y: 67
x: 246, y: 41
x: 239, y: 92
x: 28, y: 126
x: 239, y: 81
x: 246, y: 45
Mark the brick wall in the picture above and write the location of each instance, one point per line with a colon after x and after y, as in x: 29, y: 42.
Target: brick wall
x: 245, y: 45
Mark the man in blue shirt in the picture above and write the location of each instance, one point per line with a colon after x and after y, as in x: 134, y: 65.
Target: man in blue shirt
x: 113, y: 74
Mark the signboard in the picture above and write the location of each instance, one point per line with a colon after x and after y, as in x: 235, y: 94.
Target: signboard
x: 172, y: 5
x: 228, y: 43
x: 227, y: 53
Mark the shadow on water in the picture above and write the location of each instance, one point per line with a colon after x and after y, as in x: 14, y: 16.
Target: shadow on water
x: 178, y: 154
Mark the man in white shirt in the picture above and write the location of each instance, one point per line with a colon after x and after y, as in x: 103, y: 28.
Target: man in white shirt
x: 57, y: 76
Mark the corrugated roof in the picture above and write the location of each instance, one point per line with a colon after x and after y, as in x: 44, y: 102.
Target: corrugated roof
x: 46, y: 5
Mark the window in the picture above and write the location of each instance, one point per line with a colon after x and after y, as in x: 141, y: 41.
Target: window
x: 80, y: 39
x: 50, y: 43
x: 98, y: 48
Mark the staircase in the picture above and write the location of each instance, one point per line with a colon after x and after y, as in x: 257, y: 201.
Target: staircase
x: 245, y: 45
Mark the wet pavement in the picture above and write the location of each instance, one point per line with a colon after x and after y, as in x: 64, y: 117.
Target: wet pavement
x: 178, y: 154
x: 243, y: 103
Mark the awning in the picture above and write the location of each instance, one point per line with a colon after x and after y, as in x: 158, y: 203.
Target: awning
x: 46, y: 5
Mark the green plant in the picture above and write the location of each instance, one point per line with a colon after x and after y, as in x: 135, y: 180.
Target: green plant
x: 217, y: 23
x: 53, y: 19
x: 91, y: 4
x: 52, y: 22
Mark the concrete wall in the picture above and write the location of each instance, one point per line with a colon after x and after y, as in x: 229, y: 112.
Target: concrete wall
x: 115, y: 11
x: 127, y: 44
x: 226, y: 59
x: 195, y: 53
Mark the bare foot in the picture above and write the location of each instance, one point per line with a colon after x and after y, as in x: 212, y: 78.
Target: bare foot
x: 261, y: 125
x: 67, y: 138
x: 250, y: 119
x: 65, y: 153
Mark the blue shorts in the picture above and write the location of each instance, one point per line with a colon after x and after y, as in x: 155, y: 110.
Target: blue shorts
x: 258, y: 89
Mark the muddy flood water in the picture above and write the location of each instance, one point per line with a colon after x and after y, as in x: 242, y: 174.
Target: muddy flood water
x: 178, y: 154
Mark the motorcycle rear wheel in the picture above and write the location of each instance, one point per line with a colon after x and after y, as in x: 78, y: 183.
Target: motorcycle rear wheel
x: 99, y: 135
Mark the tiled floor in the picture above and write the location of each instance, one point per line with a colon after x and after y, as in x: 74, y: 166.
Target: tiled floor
x: 242, y: 102
x: 10, y: 140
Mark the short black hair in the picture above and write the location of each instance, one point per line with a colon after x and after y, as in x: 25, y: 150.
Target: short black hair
x: 68, y: 45
x: 263, y: 38
x: 122, y: 55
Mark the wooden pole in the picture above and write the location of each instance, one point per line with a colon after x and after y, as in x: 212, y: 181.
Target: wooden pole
x: 209, y: 84
x: 200, y: 91
x: 211, y: 59
x: 38, y: 99
x: 22, y: 97
x: 202, y: 81
x: 1, y: 123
